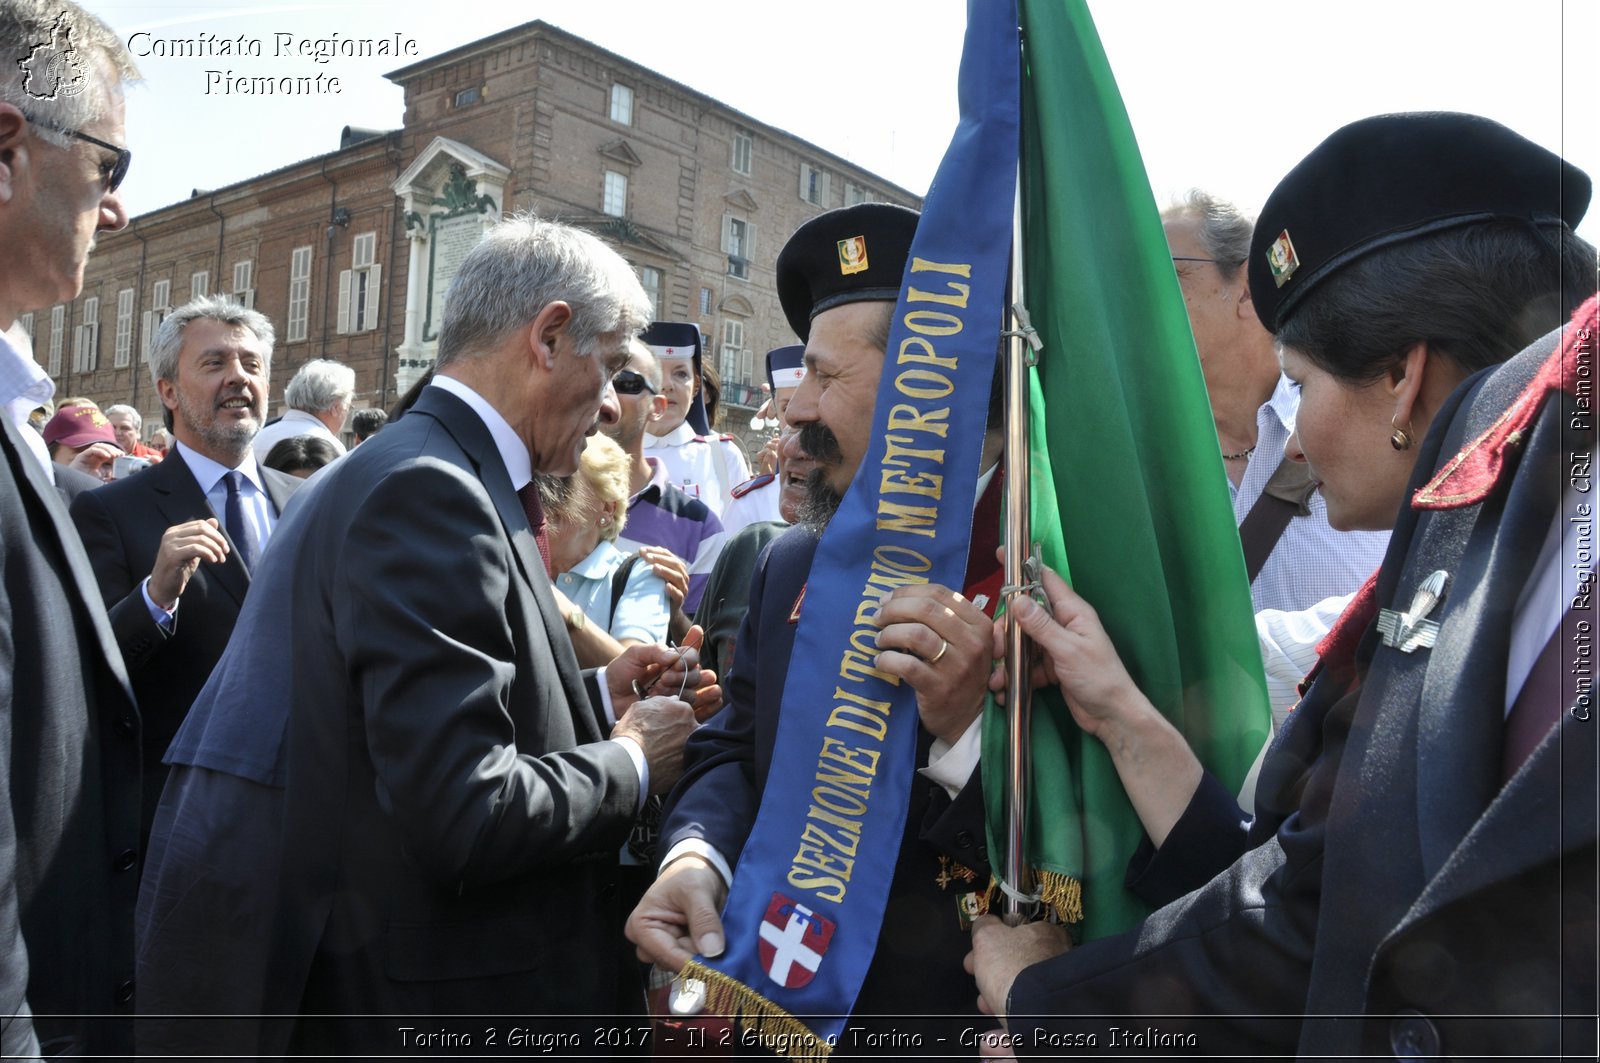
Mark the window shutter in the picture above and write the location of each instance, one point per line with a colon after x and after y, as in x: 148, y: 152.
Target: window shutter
x: 344, y: 301
x: 374, y: 284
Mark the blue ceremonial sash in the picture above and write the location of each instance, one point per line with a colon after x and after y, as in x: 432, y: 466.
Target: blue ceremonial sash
x: 809, y: 891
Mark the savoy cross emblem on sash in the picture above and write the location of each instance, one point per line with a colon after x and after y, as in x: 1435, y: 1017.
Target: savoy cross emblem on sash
x: 793, y: 940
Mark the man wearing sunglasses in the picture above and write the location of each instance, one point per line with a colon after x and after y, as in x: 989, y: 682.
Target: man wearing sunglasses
x: 69, y: 778
x: 662, y: 518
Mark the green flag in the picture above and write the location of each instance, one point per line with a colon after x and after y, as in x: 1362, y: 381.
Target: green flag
x: 1129, y: 498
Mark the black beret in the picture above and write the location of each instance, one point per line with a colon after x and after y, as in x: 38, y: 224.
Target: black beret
x: 782, y: 364
x: 1388, y: 179
x: 678, y: 339
x: 849, y: 255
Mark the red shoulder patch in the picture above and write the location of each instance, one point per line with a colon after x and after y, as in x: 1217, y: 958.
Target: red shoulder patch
x: 751, y: 484
x: 1468, y: 477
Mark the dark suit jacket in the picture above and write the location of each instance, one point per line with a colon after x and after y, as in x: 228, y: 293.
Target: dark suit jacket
x: 917, y: 968
x: 121, y: 525
x: 450, y: 815
x: 69, y: 779
x: 1398, y: 896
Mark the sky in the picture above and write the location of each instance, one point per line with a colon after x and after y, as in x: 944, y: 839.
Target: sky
x: 1223, y: 94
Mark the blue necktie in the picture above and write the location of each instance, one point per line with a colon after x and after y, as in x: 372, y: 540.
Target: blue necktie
x: 240, y: 530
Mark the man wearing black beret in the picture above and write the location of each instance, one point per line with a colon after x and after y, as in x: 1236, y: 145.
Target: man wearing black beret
x: 1420, y: 874
x: 838, y: 277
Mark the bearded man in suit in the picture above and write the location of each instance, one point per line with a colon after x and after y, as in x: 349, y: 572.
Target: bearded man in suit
x: 173, y: 547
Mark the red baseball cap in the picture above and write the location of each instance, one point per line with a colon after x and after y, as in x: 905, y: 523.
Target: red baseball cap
x: 80, y: 426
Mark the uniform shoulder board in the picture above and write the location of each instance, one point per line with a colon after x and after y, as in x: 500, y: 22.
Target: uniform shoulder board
x: 751, y: 484
x: 698, y: 439
x: 727, y: 439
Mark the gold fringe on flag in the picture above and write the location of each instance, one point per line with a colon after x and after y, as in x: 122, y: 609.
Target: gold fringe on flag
x: 1062, y: 894
x: 775, y: 1029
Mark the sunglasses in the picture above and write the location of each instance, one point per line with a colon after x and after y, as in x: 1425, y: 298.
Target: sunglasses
x: 627, y: 382
x: 111, y: 173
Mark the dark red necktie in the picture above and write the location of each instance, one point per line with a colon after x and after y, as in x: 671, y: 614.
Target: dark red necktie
x: 535, y: 511
x: 1545, y: 694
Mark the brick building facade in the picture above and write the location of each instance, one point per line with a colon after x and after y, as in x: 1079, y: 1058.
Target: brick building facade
x: 348, y: 253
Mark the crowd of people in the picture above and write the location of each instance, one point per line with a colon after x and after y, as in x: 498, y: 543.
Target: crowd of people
x: 474, y: 715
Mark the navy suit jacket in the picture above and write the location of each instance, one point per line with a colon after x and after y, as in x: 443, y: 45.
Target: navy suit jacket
x: 432, y: 812
x: 121, y: 525
x: 69, y: 780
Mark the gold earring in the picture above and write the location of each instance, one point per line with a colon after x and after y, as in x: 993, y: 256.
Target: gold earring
x: 1400, y: 439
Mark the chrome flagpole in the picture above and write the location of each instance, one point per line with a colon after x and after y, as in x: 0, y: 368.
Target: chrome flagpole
x: 1021, y: 577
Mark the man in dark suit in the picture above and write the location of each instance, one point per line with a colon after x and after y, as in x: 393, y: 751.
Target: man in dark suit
x: 1421, y: 881
x: 169, y: 565
x: 69, y: 735
x: 935, y: 639
x: 432, y: 805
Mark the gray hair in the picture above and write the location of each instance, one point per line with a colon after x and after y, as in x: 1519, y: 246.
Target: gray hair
x: 1224, y: 229
x: 169, y: 337
x: 120, y: 409
x: 523, y: 265
x: 321, y: 384
x: 60, y: 65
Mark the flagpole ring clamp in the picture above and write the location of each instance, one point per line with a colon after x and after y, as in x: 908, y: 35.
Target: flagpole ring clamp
x: 1027, y: 905
x: 1026, y: 332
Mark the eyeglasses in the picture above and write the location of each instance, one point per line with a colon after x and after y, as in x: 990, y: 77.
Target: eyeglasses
x: 111, y: 173
x: 627, y: 382
x: 1184, y: 258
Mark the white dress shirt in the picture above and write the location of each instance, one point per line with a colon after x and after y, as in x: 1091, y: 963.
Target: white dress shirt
x: 24, y: 387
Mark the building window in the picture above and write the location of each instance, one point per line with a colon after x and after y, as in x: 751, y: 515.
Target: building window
x: 622, y: 104
x: 705, y: 301
x: 358, y: 286
x: 615, y: 200
x: 244, y: 274
x: 200, y: 284
x: 813, y: 185
x: 468, y: 97
x: 160, y: 306
x: 738, y: 238
x: 124, y: 348
x: 854, y: 194
x: 741, y: 153
x: 58, y: 331
x: 299, y: 293
x: 650, y: 281
x: 735, y: 360
x: 86, y: 338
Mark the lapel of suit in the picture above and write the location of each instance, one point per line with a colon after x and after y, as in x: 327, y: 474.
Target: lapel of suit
x: 179, y: 500
x: 474, y: 438
x: 1462, y: 711
x: 31, y: 479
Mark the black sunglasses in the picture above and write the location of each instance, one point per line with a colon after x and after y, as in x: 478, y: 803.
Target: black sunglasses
x: 112, y: 173
x: 627, y: 382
